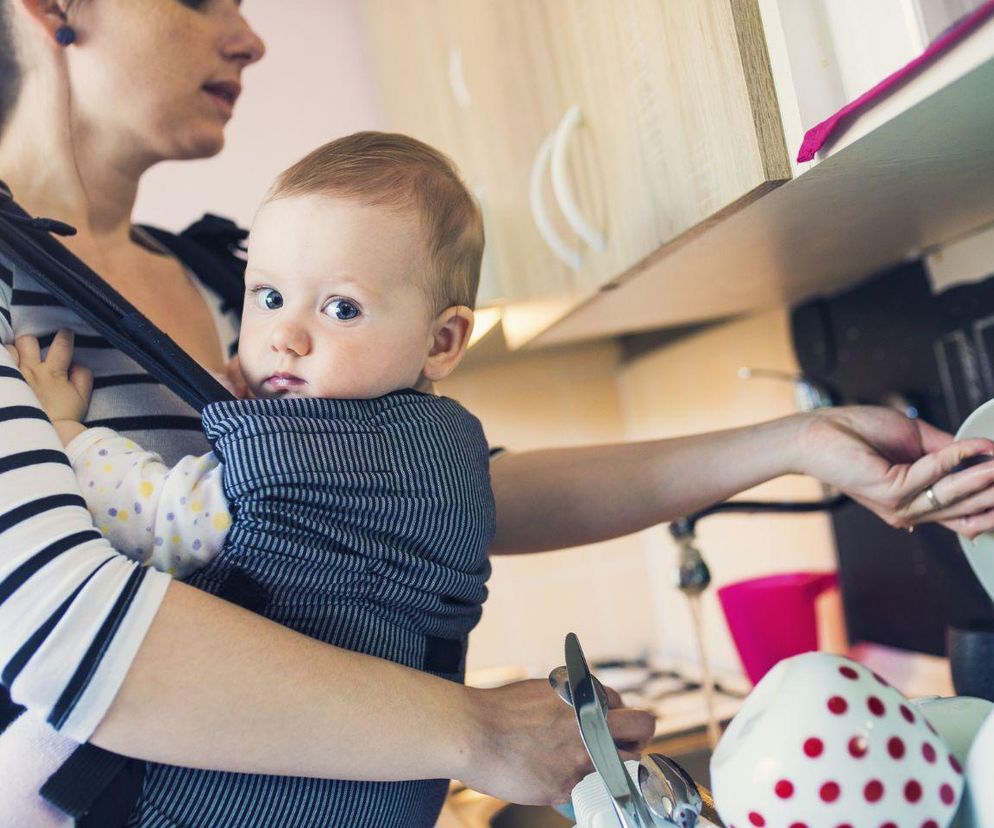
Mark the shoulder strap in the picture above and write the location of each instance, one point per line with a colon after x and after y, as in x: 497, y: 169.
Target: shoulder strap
x: 27, y: 243
x: 211, y: 247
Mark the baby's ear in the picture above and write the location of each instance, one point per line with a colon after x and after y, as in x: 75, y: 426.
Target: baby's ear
x: 451, y: 330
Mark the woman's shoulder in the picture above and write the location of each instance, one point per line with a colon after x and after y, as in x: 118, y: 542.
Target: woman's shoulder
x: 214, y: 248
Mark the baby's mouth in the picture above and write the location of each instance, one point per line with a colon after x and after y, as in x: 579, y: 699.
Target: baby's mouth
x: 283, y: 382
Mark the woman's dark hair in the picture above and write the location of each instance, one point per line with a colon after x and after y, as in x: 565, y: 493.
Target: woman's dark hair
x: 10, y: 70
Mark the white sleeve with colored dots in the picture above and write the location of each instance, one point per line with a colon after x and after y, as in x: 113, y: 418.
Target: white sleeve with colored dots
x: 174, y: 519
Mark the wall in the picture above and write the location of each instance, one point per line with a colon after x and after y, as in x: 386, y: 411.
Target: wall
x: 618, y: 596
x: 314, y: 84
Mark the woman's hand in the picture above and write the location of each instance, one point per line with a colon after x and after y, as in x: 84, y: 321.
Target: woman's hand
x: 886, y: 462
x: 530, y: 749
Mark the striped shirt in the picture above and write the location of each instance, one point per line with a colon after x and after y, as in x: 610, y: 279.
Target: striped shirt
x: 73, y: 611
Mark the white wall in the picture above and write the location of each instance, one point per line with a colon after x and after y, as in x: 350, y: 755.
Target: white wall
x: 314, y: 84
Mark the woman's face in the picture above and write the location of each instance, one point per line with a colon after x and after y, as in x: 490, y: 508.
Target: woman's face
x: 159, y: 76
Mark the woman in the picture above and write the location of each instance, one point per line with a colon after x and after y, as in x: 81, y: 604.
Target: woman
x: 94, y: 94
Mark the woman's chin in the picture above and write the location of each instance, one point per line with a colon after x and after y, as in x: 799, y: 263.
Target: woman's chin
x: 205, y: 144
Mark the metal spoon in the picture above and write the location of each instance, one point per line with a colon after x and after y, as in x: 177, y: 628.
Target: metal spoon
x: 669, y: 791
x: 560, y: 683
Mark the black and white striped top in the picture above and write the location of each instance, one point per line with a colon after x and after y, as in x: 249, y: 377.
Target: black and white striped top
x: 73, y: 611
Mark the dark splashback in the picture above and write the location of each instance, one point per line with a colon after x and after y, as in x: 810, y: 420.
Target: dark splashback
x: 891, y: 341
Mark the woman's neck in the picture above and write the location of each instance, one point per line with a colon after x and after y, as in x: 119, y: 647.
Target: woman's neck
x: 56, y: 169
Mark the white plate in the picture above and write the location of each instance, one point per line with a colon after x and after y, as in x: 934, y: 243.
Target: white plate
x: 980, y: 552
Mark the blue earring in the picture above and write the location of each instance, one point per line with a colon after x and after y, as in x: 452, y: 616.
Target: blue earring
x: 65, y: 35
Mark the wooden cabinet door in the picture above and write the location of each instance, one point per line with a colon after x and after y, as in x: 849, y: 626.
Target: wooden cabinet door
x: 679, y: 116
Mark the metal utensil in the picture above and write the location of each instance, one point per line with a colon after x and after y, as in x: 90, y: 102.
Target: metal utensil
x: 559, y: 680
x: 669, y: 791
x: 590, y: 707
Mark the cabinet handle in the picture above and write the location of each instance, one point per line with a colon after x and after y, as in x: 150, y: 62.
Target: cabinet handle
x: 562, y: 250
x: 560, y: 182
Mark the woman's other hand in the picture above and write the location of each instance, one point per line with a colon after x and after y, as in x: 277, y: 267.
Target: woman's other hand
x: 530, y: 750
x: 887, y: 462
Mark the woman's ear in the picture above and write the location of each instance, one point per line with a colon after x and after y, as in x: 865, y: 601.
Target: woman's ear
x: 451, y: 330
x: 49, y: 14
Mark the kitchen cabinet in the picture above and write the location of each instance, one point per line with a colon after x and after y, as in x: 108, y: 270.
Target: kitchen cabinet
x: 653, y: 118
x: 675, y: 152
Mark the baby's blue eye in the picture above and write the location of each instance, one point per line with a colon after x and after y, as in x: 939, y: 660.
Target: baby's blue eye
x: 342, y: 309
x: 268, y: 299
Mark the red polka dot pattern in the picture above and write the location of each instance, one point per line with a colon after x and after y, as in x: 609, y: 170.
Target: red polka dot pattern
x: 874, y: 790
x: 843, y: 750
x: 837, y: 705
x: 955, y: 764
x: 784, y: 789
x: 913, y: 791
x: 858, y: 747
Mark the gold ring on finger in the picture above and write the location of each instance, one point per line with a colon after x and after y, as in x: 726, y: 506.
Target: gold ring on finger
x: 936, y: 503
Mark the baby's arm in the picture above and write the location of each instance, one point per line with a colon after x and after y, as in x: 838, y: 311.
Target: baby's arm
x: 173, y: 519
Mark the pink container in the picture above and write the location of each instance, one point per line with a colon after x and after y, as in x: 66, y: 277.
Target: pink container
x: 773, y: 617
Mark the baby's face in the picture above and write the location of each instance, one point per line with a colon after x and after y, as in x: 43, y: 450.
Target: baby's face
x: 333, y: 306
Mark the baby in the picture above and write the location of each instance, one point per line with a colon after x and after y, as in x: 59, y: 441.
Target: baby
x: 345, y: 500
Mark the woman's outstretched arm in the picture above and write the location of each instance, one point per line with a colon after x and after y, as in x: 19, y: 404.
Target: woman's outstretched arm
x: 555, y: 498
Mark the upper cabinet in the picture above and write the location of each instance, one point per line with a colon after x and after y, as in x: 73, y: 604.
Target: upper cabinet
x: 594, y: 131
x: 630, y: 155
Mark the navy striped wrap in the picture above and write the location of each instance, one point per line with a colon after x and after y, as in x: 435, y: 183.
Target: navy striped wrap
x: 363, y: 523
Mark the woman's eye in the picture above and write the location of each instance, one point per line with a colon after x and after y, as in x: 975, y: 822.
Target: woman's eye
x: 342, y: 309
x: 268, y: 299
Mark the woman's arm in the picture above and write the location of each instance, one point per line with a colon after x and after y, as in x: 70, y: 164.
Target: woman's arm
x: 240, y: 692
x: 357, y: 717
x: 559, y: 498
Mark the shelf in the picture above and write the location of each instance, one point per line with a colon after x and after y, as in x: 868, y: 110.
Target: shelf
x: 915, y: 171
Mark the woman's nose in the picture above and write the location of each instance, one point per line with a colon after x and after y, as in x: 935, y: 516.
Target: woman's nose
x: 292, y: 338
x: 242, y: 42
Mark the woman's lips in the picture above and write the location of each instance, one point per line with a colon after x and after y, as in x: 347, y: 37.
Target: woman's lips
x: 224, y: 93
x: 283, y: 382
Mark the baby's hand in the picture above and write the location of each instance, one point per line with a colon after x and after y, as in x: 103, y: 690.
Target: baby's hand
x: 62, y: 387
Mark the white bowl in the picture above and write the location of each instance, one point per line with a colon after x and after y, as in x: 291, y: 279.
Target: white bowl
x: 823, y: 742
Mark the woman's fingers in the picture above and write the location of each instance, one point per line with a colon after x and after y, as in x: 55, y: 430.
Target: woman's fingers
x: 931, y: 468
x: 613, y: 697
x: 956, y: 495
x: 633, y: 729
x: 972, y: 525
x: 933, y: 438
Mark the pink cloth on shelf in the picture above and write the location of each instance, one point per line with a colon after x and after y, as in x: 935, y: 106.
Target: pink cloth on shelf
x: 815, y: 137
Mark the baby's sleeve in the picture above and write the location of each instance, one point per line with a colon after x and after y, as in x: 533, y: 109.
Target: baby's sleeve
x: 174, y: 519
